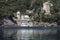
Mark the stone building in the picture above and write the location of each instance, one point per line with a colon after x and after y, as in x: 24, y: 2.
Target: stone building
x: 23, y: 20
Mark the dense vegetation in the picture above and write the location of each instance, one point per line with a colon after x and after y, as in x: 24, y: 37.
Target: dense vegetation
x: 8, y: 7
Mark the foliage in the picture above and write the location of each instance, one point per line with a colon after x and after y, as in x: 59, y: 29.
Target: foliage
x: 8, y: 7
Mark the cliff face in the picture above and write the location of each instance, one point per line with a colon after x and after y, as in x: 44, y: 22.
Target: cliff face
x: 8, y: 22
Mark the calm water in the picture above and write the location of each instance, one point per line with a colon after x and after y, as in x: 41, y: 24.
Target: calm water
x: 36, y: 35
x: 30, y: 34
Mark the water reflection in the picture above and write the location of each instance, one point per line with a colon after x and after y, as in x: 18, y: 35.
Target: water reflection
x: 36, y: 34
x: 24, y: 34
x: 31, y: 34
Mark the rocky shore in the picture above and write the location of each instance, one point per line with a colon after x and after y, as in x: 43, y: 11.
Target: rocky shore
x: 9, y: 22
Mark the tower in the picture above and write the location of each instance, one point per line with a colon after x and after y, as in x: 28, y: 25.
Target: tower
x: 18, y: 14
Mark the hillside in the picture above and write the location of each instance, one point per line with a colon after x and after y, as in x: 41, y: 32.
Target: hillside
x: 9, y: 7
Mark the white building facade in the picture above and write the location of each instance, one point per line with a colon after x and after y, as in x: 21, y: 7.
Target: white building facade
x: 23, y: 20
x: 18, y: 15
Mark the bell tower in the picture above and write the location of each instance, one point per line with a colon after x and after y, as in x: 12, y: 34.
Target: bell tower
x: 18, y: 14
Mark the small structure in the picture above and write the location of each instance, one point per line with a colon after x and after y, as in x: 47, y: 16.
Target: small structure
x: 18, y: 14
x: 23, y: 20
x: 25, y: 17
x: 46, y: 7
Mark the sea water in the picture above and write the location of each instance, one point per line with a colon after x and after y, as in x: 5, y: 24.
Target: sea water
x: 31, y: 34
